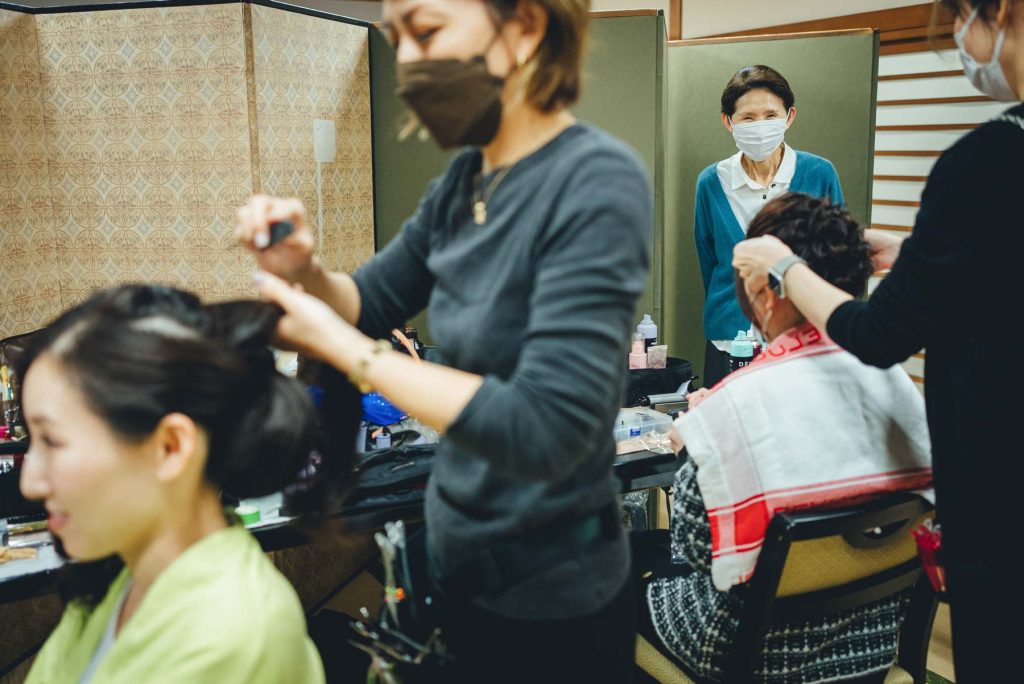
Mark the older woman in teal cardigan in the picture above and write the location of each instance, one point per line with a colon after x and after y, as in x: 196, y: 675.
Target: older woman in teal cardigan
x: 757, y: 108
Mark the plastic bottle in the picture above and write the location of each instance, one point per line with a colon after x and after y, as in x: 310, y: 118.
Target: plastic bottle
x: 638, y: 355
x: 649, y: 330
x: 741, y: 352
x: 755, y: 340
x: 361, y: 438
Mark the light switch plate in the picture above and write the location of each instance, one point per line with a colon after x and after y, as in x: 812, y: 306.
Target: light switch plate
x: 324, y: 140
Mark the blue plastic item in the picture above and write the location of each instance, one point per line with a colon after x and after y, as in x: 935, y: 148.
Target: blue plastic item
x: 380, y: 411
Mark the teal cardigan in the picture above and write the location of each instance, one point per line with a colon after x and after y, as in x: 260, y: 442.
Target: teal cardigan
x: 717, y: 231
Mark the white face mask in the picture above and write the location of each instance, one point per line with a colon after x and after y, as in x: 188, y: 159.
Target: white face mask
x: 759, y: 139
x: 988, y: 77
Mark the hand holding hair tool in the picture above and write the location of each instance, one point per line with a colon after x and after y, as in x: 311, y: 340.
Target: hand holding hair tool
x: 279, y: 230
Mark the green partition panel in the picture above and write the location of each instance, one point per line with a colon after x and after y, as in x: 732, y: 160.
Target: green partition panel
x: 834, y: 79
x: 622, y: 93
x: 401, y: 168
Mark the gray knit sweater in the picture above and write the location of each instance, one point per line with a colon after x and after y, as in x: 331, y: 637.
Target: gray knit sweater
x: 539, y: 301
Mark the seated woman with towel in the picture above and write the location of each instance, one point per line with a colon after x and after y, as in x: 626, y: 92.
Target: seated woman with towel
x: 805, y: 425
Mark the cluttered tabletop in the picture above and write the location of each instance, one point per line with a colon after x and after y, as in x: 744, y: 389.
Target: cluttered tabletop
x: 30, y: 564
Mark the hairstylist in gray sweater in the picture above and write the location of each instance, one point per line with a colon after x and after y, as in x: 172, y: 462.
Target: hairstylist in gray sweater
x: 529, y: 254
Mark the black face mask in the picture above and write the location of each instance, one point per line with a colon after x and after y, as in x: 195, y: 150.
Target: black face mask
x: 458, y: 101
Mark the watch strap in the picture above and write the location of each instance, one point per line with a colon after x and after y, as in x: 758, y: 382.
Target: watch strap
x: 777, y: 273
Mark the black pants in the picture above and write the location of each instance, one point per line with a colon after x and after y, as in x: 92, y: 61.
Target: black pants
x: 490, y: 648
x: 716, y: 365
x: 983, y: 591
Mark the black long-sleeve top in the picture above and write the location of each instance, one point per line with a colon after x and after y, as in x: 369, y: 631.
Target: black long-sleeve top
x: 956, y: 290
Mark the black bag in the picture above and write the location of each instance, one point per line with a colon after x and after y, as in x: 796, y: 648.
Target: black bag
x: 391, y: 477
x: 646, y: 381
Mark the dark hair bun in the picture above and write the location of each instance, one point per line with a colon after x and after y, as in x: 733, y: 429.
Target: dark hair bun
x: 262, y: 448
x: 267, y: 430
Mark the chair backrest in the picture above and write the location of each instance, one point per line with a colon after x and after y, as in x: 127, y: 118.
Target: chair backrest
x: 11, y: 346
x: 821, y: 562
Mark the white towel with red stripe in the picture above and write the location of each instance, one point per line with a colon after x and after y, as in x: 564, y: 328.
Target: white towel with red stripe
x: 806, y: 425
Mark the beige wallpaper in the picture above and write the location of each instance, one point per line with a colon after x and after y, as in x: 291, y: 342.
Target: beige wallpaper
x: 128, y: 138
x: 308, y: 68
x: 148, y: 145
x: 29, y: 290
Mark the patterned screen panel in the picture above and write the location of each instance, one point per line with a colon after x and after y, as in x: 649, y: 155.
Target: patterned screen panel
x: 147, y: 127
x: 307, y: 68
x: 128, y: 138
x: 29, y: 290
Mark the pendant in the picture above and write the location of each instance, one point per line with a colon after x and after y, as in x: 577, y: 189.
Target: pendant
x: 480, y: 213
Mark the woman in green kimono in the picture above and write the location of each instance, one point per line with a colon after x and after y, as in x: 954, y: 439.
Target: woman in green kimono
x: 143, y: 405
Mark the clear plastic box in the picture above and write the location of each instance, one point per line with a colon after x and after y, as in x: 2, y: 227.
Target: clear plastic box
x: 642, y: 429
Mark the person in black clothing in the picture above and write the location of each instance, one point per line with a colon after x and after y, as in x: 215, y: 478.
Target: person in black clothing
x: 953, y: 285
x: 529, y: 253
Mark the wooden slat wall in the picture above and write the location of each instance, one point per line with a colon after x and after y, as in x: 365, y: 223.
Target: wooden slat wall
x: 925, y: 104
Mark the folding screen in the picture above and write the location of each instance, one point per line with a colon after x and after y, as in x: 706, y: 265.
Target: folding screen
x: 307, y: 68
x: 129, y: 137
x: 29, y: 284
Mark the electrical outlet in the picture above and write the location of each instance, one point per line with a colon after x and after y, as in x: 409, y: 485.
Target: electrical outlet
x: 324, y: 140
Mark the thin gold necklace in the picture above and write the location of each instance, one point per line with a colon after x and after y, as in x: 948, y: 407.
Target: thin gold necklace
x: 480, y: 199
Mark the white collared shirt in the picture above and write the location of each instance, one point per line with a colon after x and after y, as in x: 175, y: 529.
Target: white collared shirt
x: 746, y: 196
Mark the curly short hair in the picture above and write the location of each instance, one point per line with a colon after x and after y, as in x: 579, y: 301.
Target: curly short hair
x: 824, y: 234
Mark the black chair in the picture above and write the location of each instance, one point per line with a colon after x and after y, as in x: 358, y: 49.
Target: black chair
x: 818, y: 563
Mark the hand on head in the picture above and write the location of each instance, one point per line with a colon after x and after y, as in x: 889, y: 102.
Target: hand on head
x: 883, y: 248
x: 753, y: 257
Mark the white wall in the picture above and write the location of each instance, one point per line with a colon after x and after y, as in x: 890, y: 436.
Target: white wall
x: 711, y: 17
x: 632, y: 4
